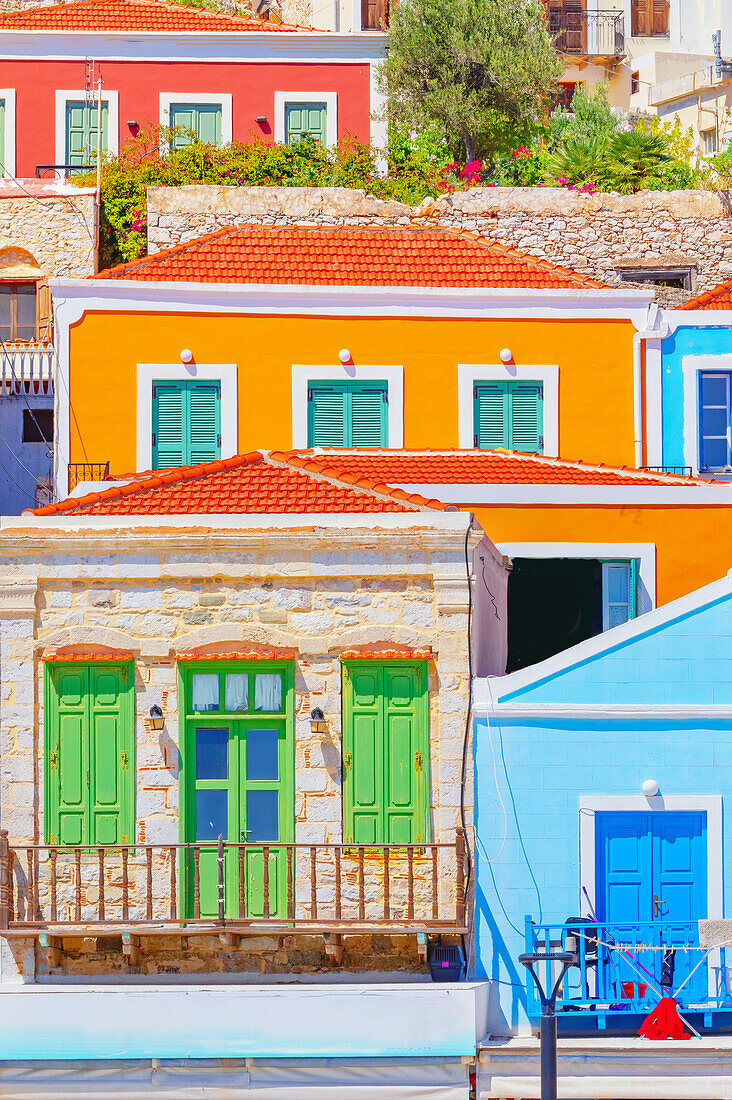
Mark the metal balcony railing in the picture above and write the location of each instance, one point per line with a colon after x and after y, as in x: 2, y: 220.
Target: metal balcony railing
x: 87, y: 471
x: 204, y: 888
x: 26, y: 367
x: 619, y: 968
x: 587, y: 33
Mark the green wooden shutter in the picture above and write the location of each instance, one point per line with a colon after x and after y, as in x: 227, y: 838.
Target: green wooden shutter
x: 169, y: 425
x: 305, y: 119
x: 326, y: 417
x: 363, y: 754
x: 66, y: 755
x: 81, y: 131
x: 89, y: 758
x: 509, y: 415
x: 405, y: 755
x: 525, y: 418
x: 203, y: 120
x: 490, y: 404
x: 385, y: 753
x: 369, y: 418
x: 204, y: 423
x: 110, y: 756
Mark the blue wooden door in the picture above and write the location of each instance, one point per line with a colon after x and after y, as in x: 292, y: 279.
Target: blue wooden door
x: 651, y: 889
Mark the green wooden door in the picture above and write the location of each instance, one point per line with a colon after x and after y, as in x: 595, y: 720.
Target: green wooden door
x: 197, y: 122
x: 81, y: 131
x: 89, y: 763
x: 305, y: 120
x: 186, y: 423
x: 385, y: 753
x: 239, y: 784
x: 509, y: 415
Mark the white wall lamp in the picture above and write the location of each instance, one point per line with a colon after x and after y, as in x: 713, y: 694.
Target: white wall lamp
x: 506, y: 355
x: 344, y: 355
x: 186, y: 356
x: 649, y: 788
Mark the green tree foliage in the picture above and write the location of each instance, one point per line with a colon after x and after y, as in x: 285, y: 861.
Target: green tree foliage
x: 481, y: 70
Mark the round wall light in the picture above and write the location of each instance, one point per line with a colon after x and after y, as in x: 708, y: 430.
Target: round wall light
x: 344, y: 355
x: 506, y: 355
x: 186, y: 356
x: 649, y: 788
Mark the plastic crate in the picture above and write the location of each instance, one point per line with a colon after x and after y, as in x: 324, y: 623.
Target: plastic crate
x: 447, y: 964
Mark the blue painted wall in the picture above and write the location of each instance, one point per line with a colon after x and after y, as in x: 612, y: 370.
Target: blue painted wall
x: 22, y: 463
x: 540, y: 767
x: 706, y: 340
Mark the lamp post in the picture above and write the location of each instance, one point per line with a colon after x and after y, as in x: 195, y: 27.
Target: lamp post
x: 548, y: 1028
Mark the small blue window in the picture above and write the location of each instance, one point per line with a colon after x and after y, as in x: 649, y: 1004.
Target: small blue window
x: 714, y: 421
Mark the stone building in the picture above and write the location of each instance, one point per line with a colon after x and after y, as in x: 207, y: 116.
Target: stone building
x: 258, y: 662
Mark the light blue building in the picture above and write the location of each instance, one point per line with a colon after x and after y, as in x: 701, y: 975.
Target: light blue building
x: 26, y: 427
x: 601, y: 781
x: 689, y: 388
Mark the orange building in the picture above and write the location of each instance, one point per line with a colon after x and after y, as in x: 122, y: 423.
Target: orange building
x: 385, y: 337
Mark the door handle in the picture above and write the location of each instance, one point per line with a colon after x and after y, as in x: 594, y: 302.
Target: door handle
x: 244, y: 833
x: 656, y: 902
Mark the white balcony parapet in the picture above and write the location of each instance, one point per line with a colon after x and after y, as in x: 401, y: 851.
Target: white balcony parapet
x: 26, y: 367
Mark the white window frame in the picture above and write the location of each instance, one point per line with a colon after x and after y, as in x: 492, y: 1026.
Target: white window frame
x: 147, y: 373
x: 547, y: 374
x: 222, y: 99
x: 330, y: 99
x: 64, y: 96
x: 304, y: 376
x: 711, y: 804
x: 8, y: 152
x: 643, y: 552
x: 693, y: 366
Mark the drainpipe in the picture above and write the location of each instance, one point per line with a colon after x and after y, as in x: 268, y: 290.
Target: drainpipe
x: 655, y: 329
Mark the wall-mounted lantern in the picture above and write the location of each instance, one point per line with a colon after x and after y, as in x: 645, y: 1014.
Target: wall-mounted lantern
x: 157, y: 718
x: 317, y: 720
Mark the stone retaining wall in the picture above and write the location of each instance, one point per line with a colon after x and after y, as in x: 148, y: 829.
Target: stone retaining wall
x: 48, y: 227
x: 593, y: 234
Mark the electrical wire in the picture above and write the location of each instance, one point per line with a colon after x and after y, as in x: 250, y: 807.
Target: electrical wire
x: 469, y: 715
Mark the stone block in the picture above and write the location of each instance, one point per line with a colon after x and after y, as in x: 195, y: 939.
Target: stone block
x: 140, y: 599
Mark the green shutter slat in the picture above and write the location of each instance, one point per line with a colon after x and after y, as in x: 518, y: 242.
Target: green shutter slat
x: 169, y: 427
x: 491, y: 416
x: 203, y: 120
x: 303, y: 119
x: 526, y: 418
x: 204, y: 431
x: 369, y: 411
x: 326, y: 417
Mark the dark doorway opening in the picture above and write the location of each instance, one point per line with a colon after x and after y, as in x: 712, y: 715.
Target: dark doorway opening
x: 553, y: 603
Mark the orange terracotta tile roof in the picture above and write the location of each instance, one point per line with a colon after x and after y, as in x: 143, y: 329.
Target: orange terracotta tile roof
x: 379, y: 651
x: 89, y: 655
x: 475, y: 467
x: 258, y: 483
x: 344, y: 256
x: 245, y: 653
x: 151, y: 16
x: 719, y: 297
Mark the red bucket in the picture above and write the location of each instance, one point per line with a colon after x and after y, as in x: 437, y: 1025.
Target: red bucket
x: 629, y: 990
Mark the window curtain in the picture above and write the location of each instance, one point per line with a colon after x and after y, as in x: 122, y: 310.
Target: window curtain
x: 268, y: 691
x: 237, y: 690
x: 205, y: 691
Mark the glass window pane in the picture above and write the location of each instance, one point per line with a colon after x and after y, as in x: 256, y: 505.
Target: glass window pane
x: 268, y: 691
x: 618, y: 584
x: 205, y: 691
x: 714, y: 453
x: 262, y: 748
x: 212, y: 754
x: 5, y: 292
x: 212, y: 815
x: 237, y: 691
x: 618, y: 614
x: 714, y: 422
x: 26, y: 311
x: 262, y: 816
x: 714, y: 389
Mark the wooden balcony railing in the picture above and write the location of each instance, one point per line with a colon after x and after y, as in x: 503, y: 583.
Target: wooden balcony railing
x: 204, y: 888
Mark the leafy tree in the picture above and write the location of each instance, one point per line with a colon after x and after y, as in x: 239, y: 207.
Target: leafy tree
x: 482, y: 70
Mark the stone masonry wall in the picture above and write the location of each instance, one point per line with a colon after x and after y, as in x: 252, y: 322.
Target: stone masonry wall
x: 159, y: 593
x: 593, y: 234
x: 53, y: 225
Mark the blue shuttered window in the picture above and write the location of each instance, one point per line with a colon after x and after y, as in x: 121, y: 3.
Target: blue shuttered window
x: 619, y: 592
x: 509, y: 415
x: 348, y: 414
x: 715, y: 451
x: 186, y: 423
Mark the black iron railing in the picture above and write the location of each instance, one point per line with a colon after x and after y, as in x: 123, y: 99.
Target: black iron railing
x: 87, y: 471
x: 587, y: 33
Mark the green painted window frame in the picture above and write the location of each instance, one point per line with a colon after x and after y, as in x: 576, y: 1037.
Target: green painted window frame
x: 90, y: 125
x: 507, y: 390
x: 347, y: 390
x: 422, y: 740
x: 180, y: 141
x: 189, y: 718
x: 50, y: 743
x: 186, y: 387
x: 306, y: 104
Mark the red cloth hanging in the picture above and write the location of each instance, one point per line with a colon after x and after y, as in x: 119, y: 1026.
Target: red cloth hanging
x: 663, y: 1022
